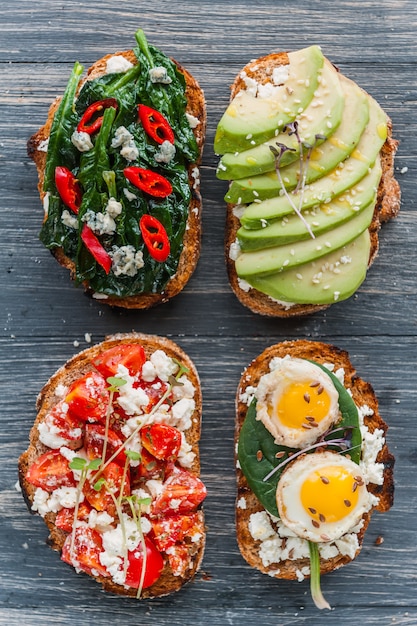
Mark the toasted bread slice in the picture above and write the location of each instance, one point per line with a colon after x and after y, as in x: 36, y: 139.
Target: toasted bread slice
x: 196, y: 107
x: 387, y: 204
x: 247, y: 503
x: 48, y: 398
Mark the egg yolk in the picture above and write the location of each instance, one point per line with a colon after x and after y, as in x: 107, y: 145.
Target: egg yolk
x: 303, y: 405
x: 329, y: 494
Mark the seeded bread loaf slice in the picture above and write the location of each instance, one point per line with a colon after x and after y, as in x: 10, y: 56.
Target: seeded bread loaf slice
x: 48, y: 398
x: 387, y: 204
x: 362, y: 394
x: 196, y: 107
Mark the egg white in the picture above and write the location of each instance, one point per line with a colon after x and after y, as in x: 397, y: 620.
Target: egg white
x: 292, y: 511
x: 273, y: 386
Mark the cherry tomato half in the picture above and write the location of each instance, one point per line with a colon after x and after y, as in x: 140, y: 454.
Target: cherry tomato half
x: 63, y: 425
x: 174, y: 529
x: 86, y: 551
x: 95, y: 435
x: 131, y: 355
x: 154, y: 565
x: 65, y: 517
x: 88, y: 397
x: 101, y: 500
x: 161, y: 440
x: 50, y: 471
x: 181, y: 493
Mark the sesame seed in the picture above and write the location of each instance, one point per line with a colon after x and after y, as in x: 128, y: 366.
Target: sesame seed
x: 347, y: 503
x: 312, y: 511
x: 259, y: 455
x: 315, y: 383
x: 320, y: 390
x: 324, y: 480
x: 280, y: 454
x: 322, y: 518
x: 315, y: 523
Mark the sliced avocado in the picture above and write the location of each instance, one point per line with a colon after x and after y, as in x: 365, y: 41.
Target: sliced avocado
x: 322, y: 116
x: 320, y: 219
x: 346, y: 174
x: 274, y: 210
x: 279, y: 258
x: 333, y: 277
x: 251, y: 120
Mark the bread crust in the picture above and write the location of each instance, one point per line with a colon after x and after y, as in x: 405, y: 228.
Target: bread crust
x: 387, y: 205
x: 196, y: 106
x: 362, y: 393
x: 46, y: 400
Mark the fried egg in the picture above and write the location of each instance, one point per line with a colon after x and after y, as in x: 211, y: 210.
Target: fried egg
x: 322, y: 496
x: 297, y: 402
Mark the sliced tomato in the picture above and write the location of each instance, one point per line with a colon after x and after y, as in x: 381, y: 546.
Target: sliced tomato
x: 86, y: 551
x: 101, y: 500
x: 150, y: 467
x: 179, y: 558
x: 154, y: 390
x: 132, y: 356
x: 161, y: 440
x: 181, y: 493
x: 95, y: 435
x: 88, y: 398
x: 174, y: 529
x: 65, y: 517
x: 50, y: 471
x: 154, y: 565
x: 60, y: 423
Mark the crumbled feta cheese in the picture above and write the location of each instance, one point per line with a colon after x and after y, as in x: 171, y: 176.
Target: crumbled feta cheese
x: 131, y: 399
x: 159, y: 74
x: 247, y: 396
x: 62, y: 497
x: 100, y: 520
x: 260, y: 526
x: 126, y: 260
x: 241, y: 503
x: 148, y: 371
x: 244, y: 285
x: 182, y: 412
x: 192, y: 120
x: 82, y: 141
x: 166, y: 152
x: 43, y: 145
x: 280, y: 74
x: 186, y: 456
x: 185, y: 389
x: 234, y: 250
x: 164, y: 365
x: 117, y: 63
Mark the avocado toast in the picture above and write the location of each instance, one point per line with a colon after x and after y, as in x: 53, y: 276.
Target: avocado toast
x: 310, y: 159
x: 117, y: 161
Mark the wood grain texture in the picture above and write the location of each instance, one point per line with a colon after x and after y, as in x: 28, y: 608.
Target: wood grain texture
x: 44, y: 318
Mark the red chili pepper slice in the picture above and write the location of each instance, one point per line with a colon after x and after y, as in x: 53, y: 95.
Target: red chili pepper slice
x: 155, y: 124
x: 95, y: 248
x: 150, y: 182
x: 84, y: 125
x: 68, y: 188
x: 155, y: 237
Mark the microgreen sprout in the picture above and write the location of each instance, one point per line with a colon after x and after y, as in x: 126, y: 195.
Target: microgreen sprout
x: 278, y: 156
x: 342, y: 442
x: 80, y: 464
x: 114, y: 384
x: 136, y: 505
x: 315, y: 589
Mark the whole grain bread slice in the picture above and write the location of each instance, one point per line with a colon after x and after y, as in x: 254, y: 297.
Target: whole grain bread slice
x: 48, y: 398
x: 387, y: 204
x: 363, y: 394
x: 196, y: 106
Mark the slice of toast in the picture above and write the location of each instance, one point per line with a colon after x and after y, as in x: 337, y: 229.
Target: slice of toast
x: 247, y: 503
x: 48, y: 398
x: 387, y: 204
x: 196, y: 108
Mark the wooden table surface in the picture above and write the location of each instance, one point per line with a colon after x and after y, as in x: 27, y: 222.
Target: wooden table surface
x: 45, y: 319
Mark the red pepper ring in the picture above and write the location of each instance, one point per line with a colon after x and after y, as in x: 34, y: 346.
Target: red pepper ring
x: 68, y: 188
x: 89, y: 113
x: 150, y: 182
x: 155, y: 124
x: 155, y: 237
x: 95, y: 248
